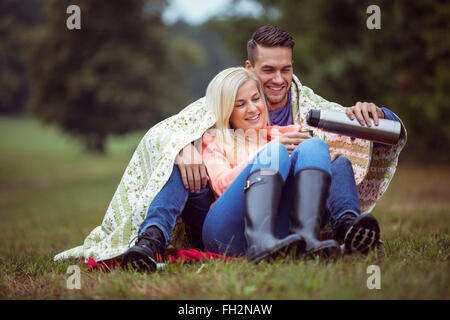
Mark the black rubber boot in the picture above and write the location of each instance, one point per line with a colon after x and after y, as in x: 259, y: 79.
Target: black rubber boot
x: 262, y: 194
x: 312, y: 187
x: 148, y: 251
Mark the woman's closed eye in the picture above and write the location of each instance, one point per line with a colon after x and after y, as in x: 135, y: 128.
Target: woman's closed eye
x: 241, y: 104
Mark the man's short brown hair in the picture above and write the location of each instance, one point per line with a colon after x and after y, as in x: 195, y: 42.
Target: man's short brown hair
x: 268, y: 36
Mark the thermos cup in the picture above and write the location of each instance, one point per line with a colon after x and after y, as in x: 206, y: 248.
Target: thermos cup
x: 387, y: 131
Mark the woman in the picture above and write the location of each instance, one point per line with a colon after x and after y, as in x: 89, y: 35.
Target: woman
x: 256, y: 212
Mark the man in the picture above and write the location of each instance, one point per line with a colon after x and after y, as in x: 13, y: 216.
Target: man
x: 270, y: 57
x: 183, y: 190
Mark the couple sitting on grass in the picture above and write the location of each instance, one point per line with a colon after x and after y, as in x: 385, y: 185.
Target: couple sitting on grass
x: 262, y: 187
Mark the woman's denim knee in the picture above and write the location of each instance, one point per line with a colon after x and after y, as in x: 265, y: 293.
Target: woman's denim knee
x: 312, y: 153
x: 281, y: 156
x: 275, y: 156
x: 313, y: 144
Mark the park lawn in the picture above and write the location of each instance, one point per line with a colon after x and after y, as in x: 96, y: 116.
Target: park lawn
x: 52, y: 195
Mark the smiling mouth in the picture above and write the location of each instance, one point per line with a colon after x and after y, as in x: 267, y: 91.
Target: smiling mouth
x: 276, y: 89
x: 254, y: 118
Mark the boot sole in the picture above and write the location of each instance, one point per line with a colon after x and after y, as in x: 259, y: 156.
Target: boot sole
x: 139, y: 261
x: 363, y: 235
x: 282, y: 250
x: 329, y: 249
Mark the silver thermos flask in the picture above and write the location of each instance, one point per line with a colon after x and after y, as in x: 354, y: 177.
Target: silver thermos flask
x: 387, y: 131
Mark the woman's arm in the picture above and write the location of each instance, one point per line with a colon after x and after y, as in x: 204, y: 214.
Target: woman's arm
x: 220, y: 170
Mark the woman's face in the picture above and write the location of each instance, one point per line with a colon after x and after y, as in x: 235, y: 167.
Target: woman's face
x: 249, y: 111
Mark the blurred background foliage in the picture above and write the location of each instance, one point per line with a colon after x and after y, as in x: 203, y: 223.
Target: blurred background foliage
x: 126, y: 70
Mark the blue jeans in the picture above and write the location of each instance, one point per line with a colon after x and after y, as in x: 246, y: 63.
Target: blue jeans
x: 223, y: 229
x: 174, y: 200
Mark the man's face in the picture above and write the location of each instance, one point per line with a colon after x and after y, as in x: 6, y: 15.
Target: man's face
x: 273, y: 66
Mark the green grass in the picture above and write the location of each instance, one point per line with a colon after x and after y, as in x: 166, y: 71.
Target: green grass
x: 52, y: 195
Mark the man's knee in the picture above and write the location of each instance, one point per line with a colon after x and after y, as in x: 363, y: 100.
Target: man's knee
x: 342, y: 161
x: 342, y: 165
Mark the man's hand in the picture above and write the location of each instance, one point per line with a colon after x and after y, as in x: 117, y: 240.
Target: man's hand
x: 292, y: 139
x: 363, y: 111
x: 192, y: 168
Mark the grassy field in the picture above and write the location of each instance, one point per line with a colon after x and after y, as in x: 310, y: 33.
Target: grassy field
x: 52, y: 195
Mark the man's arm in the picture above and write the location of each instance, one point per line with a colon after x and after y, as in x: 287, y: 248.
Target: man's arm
x: 389, y: 115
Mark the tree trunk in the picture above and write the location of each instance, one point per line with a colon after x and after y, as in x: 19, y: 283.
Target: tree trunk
x: 95, y: 144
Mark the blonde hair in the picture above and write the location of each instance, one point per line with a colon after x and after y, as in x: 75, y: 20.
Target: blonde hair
x: 220, y: 99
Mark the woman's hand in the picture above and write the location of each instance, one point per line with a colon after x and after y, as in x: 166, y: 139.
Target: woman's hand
x: 292, y: 139
x: 192, y: 169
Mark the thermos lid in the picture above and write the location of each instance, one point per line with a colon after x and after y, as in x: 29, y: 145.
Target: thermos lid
x: 313, y: 117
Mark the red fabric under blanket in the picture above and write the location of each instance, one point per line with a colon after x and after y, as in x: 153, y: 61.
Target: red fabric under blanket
x: 190, y: 255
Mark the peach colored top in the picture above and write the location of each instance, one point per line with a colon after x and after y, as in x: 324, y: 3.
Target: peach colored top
x: 221, y: 171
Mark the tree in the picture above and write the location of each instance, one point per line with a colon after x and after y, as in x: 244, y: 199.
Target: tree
x: 16, y: 16
x: 200, y: 54
x: 110, y: 77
